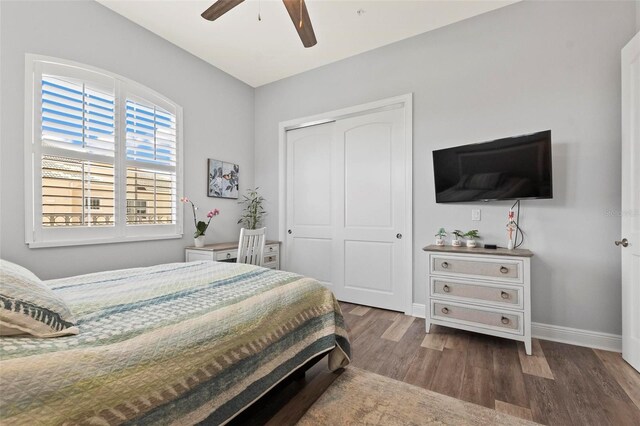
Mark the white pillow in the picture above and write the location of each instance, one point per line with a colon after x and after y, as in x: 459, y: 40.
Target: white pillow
x: 28, y: 306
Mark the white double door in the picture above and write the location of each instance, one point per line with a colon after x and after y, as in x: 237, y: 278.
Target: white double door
x: 346, y: 199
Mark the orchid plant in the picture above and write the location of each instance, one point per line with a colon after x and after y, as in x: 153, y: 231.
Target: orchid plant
x: 201, y: 226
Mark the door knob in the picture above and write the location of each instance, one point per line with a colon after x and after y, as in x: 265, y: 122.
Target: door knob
x: 289, y: 231
x: 624, y: 243
x: 399, y: 236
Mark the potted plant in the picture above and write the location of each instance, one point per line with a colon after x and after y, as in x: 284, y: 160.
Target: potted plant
x: 471, y: 237
x: 440, y: 236
x: 457, y: 235
x: 253, y: 211
x: 201, y: 226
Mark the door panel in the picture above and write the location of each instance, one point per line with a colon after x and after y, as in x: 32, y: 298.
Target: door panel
x: 311, y: 257
x: 631, y: 202
x: 309, y: 247
x: 370, y: 201
x: 369, y: 266
x: 367, y: 181
x: 312, y: 179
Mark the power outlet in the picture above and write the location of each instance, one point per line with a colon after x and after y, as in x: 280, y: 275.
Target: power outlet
x: 475, y: 214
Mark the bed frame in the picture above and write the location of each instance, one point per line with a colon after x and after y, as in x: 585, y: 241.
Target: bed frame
x: 261, y: 410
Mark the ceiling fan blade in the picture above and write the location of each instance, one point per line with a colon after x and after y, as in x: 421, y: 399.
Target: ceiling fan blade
x: 219, y: 8
x: 301, y: 21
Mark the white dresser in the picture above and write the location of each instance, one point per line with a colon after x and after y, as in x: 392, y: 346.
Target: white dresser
x: 228, y: 252
x: 481, y: 290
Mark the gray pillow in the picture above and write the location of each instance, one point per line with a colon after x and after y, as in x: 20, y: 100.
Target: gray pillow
x: 28, y: 306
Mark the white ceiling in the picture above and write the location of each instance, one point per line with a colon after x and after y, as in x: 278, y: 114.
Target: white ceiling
x: 259, y: 52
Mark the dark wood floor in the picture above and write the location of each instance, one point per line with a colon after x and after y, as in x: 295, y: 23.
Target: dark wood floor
x: 558, y: 385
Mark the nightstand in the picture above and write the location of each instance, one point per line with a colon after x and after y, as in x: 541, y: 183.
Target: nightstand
x: 227, y: 252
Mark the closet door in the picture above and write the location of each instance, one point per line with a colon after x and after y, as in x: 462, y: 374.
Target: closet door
x: 346, y: 197
x: 369, y: 212
x: 310, y: 204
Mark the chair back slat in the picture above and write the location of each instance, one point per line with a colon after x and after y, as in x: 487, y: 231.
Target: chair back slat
x: 251, y: 246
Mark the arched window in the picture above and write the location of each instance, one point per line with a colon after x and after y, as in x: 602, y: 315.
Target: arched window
x: 103, y: 157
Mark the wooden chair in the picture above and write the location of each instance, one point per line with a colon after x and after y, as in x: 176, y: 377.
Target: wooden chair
x: 251, y: 246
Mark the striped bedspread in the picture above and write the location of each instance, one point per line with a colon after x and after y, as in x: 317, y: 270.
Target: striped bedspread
x: 170, y: 344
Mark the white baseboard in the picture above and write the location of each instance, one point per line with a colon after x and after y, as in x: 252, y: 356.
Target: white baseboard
x: 556, y: 333
x: 577, y: 336
x: 419, y: 310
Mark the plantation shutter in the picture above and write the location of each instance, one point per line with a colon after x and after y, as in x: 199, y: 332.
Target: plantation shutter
x: 103, y: 157
x: 77, y: 122
x: 151, y: 159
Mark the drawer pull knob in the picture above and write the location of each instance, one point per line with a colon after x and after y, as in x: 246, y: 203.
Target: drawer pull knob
x: 228, y: 255
x: 504, y: 269
x: 270, y: 248
x: 445, y: 310
x: 446, y: 288
x: 504, y: 294
x: 445, y: 265
x: 505, y: 320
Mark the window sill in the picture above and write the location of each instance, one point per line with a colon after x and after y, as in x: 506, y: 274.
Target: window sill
x: 94, y: 241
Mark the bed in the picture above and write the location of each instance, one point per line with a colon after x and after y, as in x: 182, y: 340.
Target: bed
x: 178, y: 343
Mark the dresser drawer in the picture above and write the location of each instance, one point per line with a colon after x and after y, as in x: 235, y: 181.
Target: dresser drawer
x: 226, y: 255
x: 480, y: 292
x: 507, y: 322
x: 494, y: 269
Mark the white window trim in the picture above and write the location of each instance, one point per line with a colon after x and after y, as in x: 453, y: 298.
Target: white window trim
x: 36, y: 235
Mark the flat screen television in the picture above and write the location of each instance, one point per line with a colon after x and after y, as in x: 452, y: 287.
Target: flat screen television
x: 513, y: 168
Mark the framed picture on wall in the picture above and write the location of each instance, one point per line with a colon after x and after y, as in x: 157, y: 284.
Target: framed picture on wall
x: 222, y: 179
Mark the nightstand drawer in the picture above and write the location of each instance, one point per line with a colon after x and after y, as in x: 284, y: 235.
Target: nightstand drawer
x: 508, y: 322
x: 478, y: 292
x: 495, y: 269
x: 226, y: 255
x: 194, y: 255
x: 273, y: 258
x: 271, y: 248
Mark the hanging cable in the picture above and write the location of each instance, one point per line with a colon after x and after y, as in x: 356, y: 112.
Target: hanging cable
x: 519, y: 231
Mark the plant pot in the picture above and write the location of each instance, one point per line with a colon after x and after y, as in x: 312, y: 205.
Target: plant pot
x: 439, y: 241
x: 456, y: 243
x: 199, y: 241
x: 471, y: 243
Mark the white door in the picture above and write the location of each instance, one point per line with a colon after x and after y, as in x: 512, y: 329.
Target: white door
x: 370, y: 210
x: 309, y: 245
x: 630, y: 242
x: 347, y: 190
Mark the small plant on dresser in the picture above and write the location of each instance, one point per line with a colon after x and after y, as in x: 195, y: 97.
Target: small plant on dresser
x: 457, y: 238
x: 471, y: 237
x: 440, y: 237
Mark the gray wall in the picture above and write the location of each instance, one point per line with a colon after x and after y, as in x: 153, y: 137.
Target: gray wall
x: 526, y: 67
x: 218, y: 123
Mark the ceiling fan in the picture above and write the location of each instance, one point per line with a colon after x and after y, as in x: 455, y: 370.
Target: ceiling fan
x: 297, y: 11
